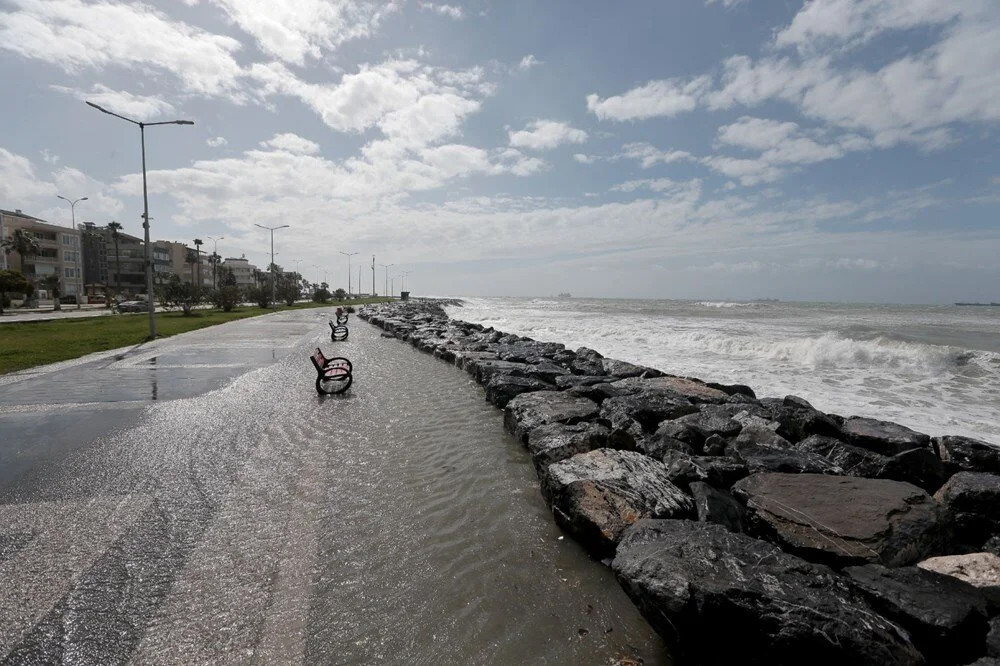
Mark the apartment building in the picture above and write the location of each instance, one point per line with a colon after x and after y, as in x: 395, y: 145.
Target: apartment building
x: 242, y: 269
x: 59, y: 252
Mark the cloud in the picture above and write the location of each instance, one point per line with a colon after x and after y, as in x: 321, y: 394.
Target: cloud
x: 724, y: 3
x: 656, y: 98
x: 139, y: 107
x: 660, y: 185
x: 291, y: 143
x: 216, y: 142
x: 18, y: 180
x: 583, y: 159
x: 649, y: 156
x: 527, y: 62
x: 72, y: 35
x: 451, y: 11
x: 293, y: 31
x: 546, y: 134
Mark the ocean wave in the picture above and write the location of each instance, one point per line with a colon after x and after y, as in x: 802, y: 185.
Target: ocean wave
x: 724, y: 304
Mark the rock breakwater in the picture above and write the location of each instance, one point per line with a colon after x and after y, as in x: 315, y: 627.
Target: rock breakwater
x: 797, y: 534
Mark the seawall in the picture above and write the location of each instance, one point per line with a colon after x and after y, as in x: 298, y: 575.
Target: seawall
x: 805, y: 535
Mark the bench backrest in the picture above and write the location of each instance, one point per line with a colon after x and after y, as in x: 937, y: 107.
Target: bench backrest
x: 318, y: 359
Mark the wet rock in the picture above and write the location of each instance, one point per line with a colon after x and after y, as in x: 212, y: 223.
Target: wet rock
x: 722, y: 598
x: 854, y: 460
x: 711, y: 420
x: 464, y: 357
x: 678, y: 430
x: 739, y: 390
x: 528, y: 351
x: 571, y: 381
x: 945, y: 616
x: 842, y: 519
x: 966, y: 454
x: 623, y: 369
x: 720, y: 472
x: 527, y: 411
x: 596, y: 495
x: 717, y: 506
x: 882, y: 437
x: 555, y: 442
x: 921, y: 467
x: 547, y: 371
x: 981, y: 570
x: 693, y: 391
x: 762, y: 458
x: 588, y: 354
x: 971, y: 502
x: 502, y: 388
x: 993, y: 638
x: 648, y: 409
x: 797, y: 419
x: 714, y: 445
x: 483, y: 369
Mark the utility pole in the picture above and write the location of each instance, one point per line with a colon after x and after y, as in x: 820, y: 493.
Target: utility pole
x: 374, y: 293
x: 272, y: 267
x: 79, y: 249
x: 386, y: 267
x: 349, y: 255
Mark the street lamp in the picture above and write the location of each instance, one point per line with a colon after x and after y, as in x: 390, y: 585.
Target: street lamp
x: 403, y: 286
x: 349, y: 255
x: 145, y: 204
x: 215, y: 255
x: 386, y: 267
x: 79, y: 248
x: 271, y: 267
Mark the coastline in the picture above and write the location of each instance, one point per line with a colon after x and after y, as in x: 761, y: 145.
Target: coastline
x: 664, y: 477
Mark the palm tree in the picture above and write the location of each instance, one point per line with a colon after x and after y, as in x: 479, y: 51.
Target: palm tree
x: 115, y: 228
x: 51, y: 283
x: 197, y: 246
x: 214, y: 260
x: 24, y: 244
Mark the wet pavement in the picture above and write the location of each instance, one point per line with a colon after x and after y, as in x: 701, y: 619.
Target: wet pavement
x: 194, y: 501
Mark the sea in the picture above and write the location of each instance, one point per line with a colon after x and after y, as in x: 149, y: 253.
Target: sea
x: 933, y: 368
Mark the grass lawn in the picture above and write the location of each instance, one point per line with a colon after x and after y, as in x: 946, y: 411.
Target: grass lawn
x: 30, y: 343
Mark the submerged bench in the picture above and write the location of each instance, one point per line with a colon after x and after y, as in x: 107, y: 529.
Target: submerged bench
x: 333, y: 374
x: 338, y: 333
x: 342, y: 318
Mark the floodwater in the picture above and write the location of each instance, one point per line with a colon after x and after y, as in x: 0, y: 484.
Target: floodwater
x: 231, y: 515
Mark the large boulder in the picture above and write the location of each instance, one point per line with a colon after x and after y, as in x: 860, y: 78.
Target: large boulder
x: 762, y: 450
x: 717, y: 506
x: 981, y: 570
x: 919, y: 466
x: 596, y: 495
x: 798, y: 419
x: 971, y: 501
x: 854, y: 460
x: 883, y: 437
x: 554, y: 442
x: 502, y: 388
x: 718, y: 471
x: 695, y: 391
x: 842, y: 519
x: 722, y: 598
x: 945, y: 616
x: 636, y: 416
x: 527, y: 411
x: 965, y: 454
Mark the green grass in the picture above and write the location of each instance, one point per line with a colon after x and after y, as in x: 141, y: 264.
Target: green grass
x: 31, y: 343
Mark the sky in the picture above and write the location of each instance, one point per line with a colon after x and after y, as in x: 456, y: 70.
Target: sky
x: 828, y: 150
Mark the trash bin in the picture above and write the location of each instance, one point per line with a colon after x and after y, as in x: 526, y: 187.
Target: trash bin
x: 404, y: 295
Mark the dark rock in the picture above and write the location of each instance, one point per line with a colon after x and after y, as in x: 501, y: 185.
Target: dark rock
x: 717, y: 506
x: 657, y: 445
x: 555, y: 442
x: 966, y: 454
x: 648, y: 409
x: 570, y: 381
x: 623, y: 369
x: 596, y: 495
x: 588, y: 368
x: 882, y: 437
x: 720, y: 472
x: 992, y: 545
x: 945, y: 617
x: 759, y: 436
x: 714, y: 445
x: 463, y: 357
x: 921, y: 467
x: 501, y: 388
x: 588, y: 354
x: 528, y: 352
x: 722, y: 598
x: 693, y: 391
x: 798, y: 420
x: 734, y: 389
x: 993, y: 638
x: 842, y: 519
x: 530, y: 410
x: 711, y: 420
x: 971, y: 502
x: 981, y: 570
x: 854, y: 460
x: 681, y: 431
x: 761, y: 458
x: 483, y: 369
x: 548, y: 371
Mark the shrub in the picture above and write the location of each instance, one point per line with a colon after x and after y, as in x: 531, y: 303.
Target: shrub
x: 227, y: 297
x: 260, y: 295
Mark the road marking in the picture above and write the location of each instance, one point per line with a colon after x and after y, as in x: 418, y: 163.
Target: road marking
x: 67, y: 538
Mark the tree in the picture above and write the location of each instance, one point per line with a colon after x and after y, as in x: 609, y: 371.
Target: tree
x: 322, y: 293
x: 177, y: 293
x: 21, y: 242
x: 288, y: 289
x: 261, y: 295
x: 12, y: 282
x: 227, y: 295
x: 214, y: 260
x: 197, y: 246
x: 115, y: 227
x: 340, y: 294
x: 52, y: 285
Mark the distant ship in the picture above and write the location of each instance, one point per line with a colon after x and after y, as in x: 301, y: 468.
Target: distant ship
x: 565, y: 294
x: 980, y: 304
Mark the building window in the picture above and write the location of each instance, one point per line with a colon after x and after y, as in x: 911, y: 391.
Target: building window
x: 70, y: 256
x: 70, y: 239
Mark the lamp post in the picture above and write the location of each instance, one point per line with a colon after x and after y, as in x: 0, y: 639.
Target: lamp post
x: 403, y: 286
x: 79, y: 248
x: 349, y: 255
x: 145, y: 205
x: 386, y: 267
x: 215, y: 253
x: 271, y: 267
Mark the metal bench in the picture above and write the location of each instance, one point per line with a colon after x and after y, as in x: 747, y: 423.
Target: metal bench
x: 338, y: 333
x: 333, y: 374
x: 342, y: 318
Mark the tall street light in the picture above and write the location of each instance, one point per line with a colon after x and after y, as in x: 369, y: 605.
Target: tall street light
x: 79, y: 248
x: 271, y: 267
x: 349, y: 255
x: 145, y: 205
x: 386, y: 267
x: 215, y: 255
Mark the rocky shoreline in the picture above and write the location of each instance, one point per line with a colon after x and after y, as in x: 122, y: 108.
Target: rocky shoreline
x: 758, y: 530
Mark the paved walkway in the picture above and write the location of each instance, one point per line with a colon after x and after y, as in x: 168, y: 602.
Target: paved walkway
x: 194, y: 501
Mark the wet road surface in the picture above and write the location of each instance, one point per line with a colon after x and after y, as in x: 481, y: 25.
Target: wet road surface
x: 195, y: 501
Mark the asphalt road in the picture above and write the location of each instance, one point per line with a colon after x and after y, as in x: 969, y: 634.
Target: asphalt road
x: 194, y: 501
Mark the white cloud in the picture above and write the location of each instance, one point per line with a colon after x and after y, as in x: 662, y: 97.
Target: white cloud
x: 656, y: 98
x: 724, y: 3
x: 139, y: 107
x: 49, y: 157
x: 73, y: 35
x: 18, y: 180
x: 546, y: 134
x: 291, y: 143
x: 660, y: 185
x: 649, y: 156
x: 583, y: 159
x: 527, y: 62
x: 292, y: 31
x: 756, y: 133
x: 451, y: 11
x: 748, y: 171
x: 216, y: 142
